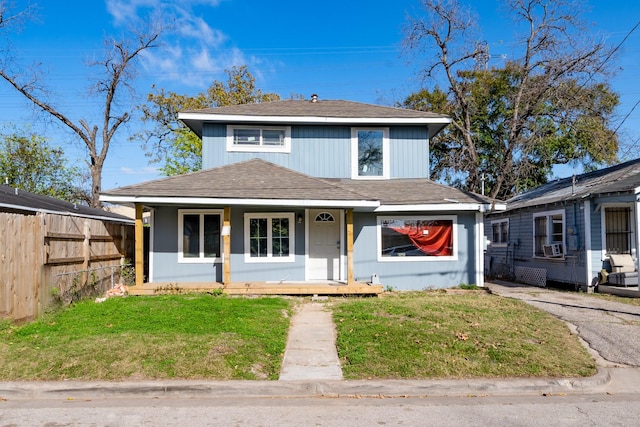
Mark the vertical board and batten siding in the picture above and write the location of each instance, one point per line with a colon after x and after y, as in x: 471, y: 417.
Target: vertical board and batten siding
x: 167, y: 269
x: 46, y: 253
x: 414, y: 275
x: 501, y: 261
x: 409, y: 152
x: 325, y: 151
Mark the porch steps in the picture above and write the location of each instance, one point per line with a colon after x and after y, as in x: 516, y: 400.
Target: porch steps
x: 258, y: 288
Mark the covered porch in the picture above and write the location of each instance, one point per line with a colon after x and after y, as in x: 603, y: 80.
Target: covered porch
x: 348, y: 286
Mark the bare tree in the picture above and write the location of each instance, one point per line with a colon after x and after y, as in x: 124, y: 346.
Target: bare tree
x: 515, y: 121
x: 117, y: 71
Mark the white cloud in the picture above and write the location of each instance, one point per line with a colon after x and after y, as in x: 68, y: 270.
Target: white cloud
x: 193, y: 52
x: 145, y: 170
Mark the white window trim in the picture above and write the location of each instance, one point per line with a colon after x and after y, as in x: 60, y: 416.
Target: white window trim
x: 386, y: 162
x: 500, y: 244
x: 285, y: 148
x: 201, y: 259
x: 454, y: 250
x: 549, y: 214
x: 603, y: 233
x: 269, y: 258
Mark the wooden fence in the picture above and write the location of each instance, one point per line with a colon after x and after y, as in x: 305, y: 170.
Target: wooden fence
x: 49, y: 258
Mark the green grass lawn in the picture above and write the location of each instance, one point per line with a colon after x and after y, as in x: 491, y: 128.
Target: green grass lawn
x: 440, y: 335
x: 399, y: 335
x: 172, y: 336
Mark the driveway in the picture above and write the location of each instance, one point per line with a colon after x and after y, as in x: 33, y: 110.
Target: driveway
x: 611, y: 329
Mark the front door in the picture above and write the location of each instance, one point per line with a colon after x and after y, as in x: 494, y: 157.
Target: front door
x: 324, y: 244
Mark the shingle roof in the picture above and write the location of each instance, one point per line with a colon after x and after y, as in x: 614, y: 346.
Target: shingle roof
x: 19, y: 201
x: 621, y: 178
x: 251, y: 179
x: 321, y: 108
x: 320, y: 112
x: 410, y: 191
x: 258, y: 179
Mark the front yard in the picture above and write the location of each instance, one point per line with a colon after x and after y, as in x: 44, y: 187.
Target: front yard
x: 400, y: 335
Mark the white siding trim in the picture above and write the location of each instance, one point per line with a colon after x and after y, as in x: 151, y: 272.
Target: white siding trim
x: 232, y: 118
x: 587, y: 241
x: 637, y: 215
x: 151, y: 244
x: 479, y: 249
x: 204, y: 201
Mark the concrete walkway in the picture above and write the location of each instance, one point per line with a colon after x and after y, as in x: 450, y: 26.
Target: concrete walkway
x: 311, y: 346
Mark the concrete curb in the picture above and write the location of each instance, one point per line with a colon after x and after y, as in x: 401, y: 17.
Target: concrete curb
x: 292, y: 389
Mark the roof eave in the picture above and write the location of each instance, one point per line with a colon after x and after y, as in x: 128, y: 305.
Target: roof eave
x: 206, y: 201
x: 195, y: 120
x: 65, y: 213
x: 438, y: 207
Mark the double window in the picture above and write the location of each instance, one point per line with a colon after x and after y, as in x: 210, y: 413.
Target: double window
x: 417, y: 238
x: 370, y: 153
x: 199, y: 237
x: 259, y: 138
x: 500, y: 232
x: 548, y: 234
x: 269, y: 237
x: 617, y: 227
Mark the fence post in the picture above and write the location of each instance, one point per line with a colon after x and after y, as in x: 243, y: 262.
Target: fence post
x: 86, y: 252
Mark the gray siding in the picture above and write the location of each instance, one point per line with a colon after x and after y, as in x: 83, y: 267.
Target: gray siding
x: 166, y: 267
x: 502, y: 261
x: 409, y: 151
x: 165, y: 253
x: 414, y: 275
x: 325, y: 151
x: 264, y: 272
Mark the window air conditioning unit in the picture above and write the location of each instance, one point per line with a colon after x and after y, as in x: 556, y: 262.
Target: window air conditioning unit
x: 553, y: 250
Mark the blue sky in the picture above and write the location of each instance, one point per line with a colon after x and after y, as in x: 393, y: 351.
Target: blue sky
x: 338, y: 49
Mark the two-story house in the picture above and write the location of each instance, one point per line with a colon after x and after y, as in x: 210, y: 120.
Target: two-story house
x: 323, y: 196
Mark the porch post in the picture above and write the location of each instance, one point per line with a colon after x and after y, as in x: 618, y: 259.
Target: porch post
x: 226, y: 241
x: 139, y: 246
x: 350, y: 280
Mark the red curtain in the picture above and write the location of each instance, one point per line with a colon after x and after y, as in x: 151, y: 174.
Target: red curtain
x: 435, y: 238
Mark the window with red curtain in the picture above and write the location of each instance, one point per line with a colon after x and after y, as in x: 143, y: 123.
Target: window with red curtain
x: 417, y: 237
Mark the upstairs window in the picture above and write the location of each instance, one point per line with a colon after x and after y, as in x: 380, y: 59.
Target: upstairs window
x: 548, y: 234
x: 256, y: 138
x: 370, y: 153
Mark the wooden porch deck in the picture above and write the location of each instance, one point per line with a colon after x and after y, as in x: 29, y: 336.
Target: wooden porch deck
x: 259, y: 288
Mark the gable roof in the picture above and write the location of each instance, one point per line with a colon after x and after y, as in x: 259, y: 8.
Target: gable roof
x: 295, y: 111
x: 258, y: 182
x: 19, y: 201
x: 621, y: 178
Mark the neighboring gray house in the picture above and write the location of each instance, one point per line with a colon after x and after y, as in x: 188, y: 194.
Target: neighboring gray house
x: 312, y: 191
x: 542, y: 234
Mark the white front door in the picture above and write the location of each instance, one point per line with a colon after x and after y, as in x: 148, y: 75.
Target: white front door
x: 324, y: 244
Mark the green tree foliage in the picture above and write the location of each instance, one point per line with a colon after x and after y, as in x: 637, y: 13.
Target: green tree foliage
x: 29, y: 163
x: 547, y: 105
x: 171, y: 142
